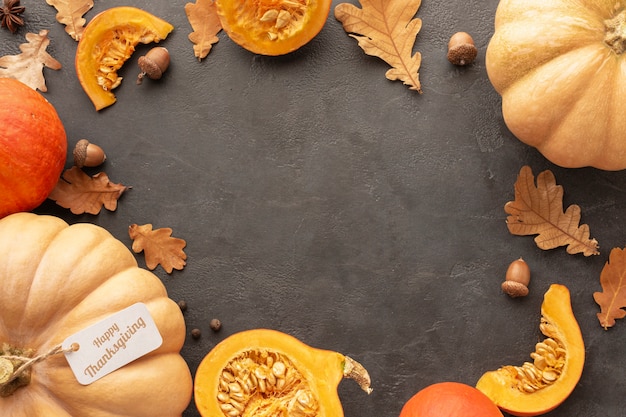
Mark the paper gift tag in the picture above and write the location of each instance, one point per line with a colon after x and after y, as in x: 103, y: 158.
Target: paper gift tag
x: 112, y: 343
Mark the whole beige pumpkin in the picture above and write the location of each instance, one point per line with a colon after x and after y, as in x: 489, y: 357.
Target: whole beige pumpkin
x: 560, y: 68
x: 57, y: 279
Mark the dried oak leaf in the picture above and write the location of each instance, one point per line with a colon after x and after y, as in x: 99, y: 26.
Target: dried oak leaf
x: 70, y: 13
x: 205, y: 22
x: 27, y: 67
x: 159, y: 247
x: 386, y: 29
x: 81, y: 193
x: 538, y: 210
x: 612, y: 299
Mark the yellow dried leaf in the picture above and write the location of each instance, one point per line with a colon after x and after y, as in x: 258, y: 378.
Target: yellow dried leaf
x: 81, y: 193
x: 538, y: 210
x: 205, y: 24
x: 70, y: 13
x: 159, y: 247
x: 386, y: 29
x: 27, y: 67
x: 612, y: 299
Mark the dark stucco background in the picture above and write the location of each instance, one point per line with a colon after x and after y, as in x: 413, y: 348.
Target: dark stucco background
x: 320, y: 199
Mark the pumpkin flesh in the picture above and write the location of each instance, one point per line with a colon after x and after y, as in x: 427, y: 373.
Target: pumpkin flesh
x: 55, y: 280
x: 523, y: 391
x: 272, y: 27
x: 560, y: 68
x: 266, y: 373
x: 108, y: 41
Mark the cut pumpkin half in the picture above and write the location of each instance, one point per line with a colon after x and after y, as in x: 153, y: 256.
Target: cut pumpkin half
x: 108, y: 41
x: 266, y: 373
x: 541, y: 385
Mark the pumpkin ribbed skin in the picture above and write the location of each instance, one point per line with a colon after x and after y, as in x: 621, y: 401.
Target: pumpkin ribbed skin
x: 563, y: 86
x: 33, y: 147
x: 57, y: 279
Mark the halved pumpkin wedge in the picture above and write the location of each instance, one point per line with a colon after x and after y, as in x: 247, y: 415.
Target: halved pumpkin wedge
x: 267, y: 373
x: 541, y: 385
x: 108, y: 41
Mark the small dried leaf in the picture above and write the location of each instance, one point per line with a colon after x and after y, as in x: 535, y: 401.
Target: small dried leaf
x: 538, y: 210
x: 386, y: 29
x: 27, y: 67
x: 81, y: 193
x: 612, y: 299
x: 70, y: 13
x: 206, y: 25
x: 159, y: 247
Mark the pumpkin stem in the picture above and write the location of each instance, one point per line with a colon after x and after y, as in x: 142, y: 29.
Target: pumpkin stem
x: 354, y: 370
x: 15, y: 366
x: 11, y: 360
x: 615, y: 36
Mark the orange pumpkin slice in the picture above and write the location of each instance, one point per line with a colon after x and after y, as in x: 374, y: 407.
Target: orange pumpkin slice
x: 272, y: 27
x: 540, y: 386
x: 266, y: 373
x: 108, y: 41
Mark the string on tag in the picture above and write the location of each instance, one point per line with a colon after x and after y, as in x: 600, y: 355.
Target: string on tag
x: 8, y: 374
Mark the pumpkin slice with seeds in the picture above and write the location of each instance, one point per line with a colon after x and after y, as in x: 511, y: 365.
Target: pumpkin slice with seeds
x: 541, y: 385
x: 266, y: 373
x: 108, y: 41
x: 272, y: 27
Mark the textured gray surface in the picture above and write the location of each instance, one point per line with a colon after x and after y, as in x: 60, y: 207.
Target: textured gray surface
x: 322, y: 200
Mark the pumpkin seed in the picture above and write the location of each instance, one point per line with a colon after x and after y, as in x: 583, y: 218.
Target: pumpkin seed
x: 264, y: 377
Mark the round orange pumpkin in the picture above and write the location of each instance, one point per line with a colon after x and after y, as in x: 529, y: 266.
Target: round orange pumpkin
x: 56, y: 280
x: 450, y: 399
x: 272, y: 27
x: 33, y: 147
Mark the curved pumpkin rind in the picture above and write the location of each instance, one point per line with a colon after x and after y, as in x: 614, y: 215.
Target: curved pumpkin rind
x: 253, y: 35
x: 497, y: 385
x: 322, y: 368
x: 562, y: 87
x: 33, y: 147
x: 74, y: 276
x: 144, y: 27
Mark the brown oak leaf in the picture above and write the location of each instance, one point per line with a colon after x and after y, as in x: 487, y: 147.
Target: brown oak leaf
x: 538, y: 210
x: 70, y: 13
x: 81, y: 193
x: 27, y: 67
x: 386, y: 29
x: 205, y: 22
x: 159, y: 247
x: 612, y: 299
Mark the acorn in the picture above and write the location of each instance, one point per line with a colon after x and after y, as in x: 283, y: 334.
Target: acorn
x: 461, y: 49
x: 153, y: 64
x: 87, y: 154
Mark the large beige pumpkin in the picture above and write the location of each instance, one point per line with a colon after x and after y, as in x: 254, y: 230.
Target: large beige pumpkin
x: 560, y: 67
x: 57, y: 279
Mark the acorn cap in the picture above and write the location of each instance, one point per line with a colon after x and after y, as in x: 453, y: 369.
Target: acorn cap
x: 514, y: 289
x: 463, y: 54
x: 88, y: 154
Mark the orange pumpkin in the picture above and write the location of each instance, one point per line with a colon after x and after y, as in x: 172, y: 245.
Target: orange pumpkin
x: 56, y: 280
x: 450, y: 399
x: 33, y: 147
x: 272, y: 27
